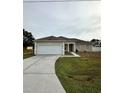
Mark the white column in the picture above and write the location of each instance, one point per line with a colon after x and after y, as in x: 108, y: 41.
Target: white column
x: 74, y: 48
x: 63, y: 48
x: 68, y: 47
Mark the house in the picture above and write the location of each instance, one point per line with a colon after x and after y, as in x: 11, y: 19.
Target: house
x: 60, y: 45
x: 96, y: 42
x: 96, y: 45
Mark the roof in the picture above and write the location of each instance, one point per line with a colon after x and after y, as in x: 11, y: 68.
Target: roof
x: 52, y: 38
x: 62, y: 39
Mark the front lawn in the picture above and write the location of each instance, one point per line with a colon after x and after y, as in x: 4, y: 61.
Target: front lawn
x: 79, y: 75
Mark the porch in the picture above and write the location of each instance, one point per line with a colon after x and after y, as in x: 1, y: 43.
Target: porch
x: 69, y: 47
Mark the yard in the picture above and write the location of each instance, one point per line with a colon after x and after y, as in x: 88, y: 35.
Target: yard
x: 80, y: 75
x: 27, y: 53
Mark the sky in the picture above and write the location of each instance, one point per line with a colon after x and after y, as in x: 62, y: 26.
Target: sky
x: 70, y: 19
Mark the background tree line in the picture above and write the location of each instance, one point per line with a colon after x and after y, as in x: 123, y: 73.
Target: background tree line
x: 28, y: 39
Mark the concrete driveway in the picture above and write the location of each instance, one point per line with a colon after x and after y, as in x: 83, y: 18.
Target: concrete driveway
x: 39, y: 75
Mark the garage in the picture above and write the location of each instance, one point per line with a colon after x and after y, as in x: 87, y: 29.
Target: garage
x: 49, y: 48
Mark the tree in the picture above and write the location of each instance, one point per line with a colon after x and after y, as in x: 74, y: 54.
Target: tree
x: 27, y: 38
x: 96, y: 42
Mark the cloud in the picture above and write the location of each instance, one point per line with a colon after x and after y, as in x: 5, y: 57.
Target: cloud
x: 71, y: 19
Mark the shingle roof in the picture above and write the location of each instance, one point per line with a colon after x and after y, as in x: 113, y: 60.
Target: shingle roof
x: 53, y: 38
x: 63, y: 39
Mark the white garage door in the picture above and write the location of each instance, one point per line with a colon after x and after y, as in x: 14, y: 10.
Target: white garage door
x: 49, y: 49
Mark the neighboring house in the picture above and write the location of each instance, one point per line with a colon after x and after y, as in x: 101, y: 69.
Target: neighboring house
x: 96, y: 45
x: 96, y: 42
x: 59, y: 45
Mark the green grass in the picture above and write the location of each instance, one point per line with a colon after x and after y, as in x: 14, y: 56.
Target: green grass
x: 79, y: 75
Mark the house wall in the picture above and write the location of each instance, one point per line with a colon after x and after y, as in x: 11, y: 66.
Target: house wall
x: 82, y: 48
x: 79, y: 47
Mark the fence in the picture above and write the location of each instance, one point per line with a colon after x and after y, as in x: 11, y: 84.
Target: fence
x: 96, y: 49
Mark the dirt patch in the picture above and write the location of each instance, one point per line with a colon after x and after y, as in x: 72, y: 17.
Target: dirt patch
x: 90, y: 54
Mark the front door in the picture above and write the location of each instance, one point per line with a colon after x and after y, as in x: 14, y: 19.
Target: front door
x: 71, y: 47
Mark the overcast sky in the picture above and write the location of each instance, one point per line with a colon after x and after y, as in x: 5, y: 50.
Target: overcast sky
x: 71, y: 19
